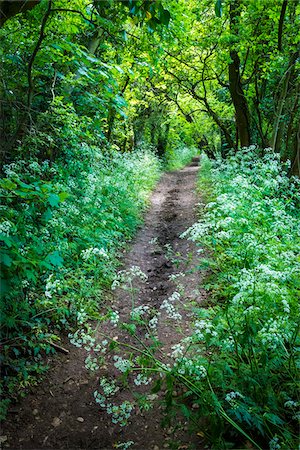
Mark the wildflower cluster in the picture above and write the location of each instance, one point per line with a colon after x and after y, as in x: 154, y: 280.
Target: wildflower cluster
x: 125, y: 278
x: 141, y: 379
x: 52, y: 286
x: 82, y: 338
x: 123, y: 365
x: 252, y: 228
x: 120, y: 413
x: 124, y: 445
x: 62, y: 227
x: 139, y: 312
x: 169, y: 307
x: 91, y: 363
x: 153, y: 322
x: 188, y: 366
x: 114, y: 317
x: 93, y: 251
x: 5, y: 227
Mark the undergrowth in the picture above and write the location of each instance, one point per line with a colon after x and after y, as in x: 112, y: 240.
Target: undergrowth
x: 251, y: 226
x: 68, y: 208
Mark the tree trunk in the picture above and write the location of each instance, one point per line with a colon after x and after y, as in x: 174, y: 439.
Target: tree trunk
x: 295, y: 168
x: 112, y: 113
x: 288, y: 80
x: 221, y: 125
x: 242, y: 116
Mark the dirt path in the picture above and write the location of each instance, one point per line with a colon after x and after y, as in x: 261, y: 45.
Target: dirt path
x: 61, y: 412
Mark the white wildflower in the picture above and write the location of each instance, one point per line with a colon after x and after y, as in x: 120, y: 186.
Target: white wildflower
x: 153, y: 322
x: 114, y: 318
x: 141, y: 379
x: 5, y: 227
x: 93, y: 251
x: 274, y: 444
x: 123, y: 365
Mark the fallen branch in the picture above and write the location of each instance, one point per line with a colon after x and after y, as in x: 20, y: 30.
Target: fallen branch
x: 58, y: 347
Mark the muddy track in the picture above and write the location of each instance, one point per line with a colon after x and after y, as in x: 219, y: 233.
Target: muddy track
x: 61, y: 413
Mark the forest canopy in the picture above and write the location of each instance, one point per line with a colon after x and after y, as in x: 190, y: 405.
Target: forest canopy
x: 225, y: 74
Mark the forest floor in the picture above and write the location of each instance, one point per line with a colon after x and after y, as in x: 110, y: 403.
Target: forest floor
x: 61, y: 413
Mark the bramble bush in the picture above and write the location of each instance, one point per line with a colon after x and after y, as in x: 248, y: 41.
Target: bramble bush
x: 236, y: 374
x: 64, y: 225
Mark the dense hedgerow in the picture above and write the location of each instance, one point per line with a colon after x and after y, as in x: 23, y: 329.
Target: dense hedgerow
x: 63, y: 227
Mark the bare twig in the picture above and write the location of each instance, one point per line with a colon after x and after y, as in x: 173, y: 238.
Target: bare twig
x: 58, y: 348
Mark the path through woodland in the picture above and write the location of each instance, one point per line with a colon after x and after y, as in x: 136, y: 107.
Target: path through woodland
x: 61, y: 412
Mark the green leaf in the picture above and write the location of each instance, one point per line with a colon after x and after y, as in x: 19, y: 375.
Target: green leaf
x: 218, y: 8
x: 130, y: 327
x: 124, y: 35
x: 55, y: 259
x: 165, y: 17
x: 7, y: 184
x: 63, y: 196
x: 4, y: 286
x: 16, y: 351
x: 6, y: 239
x: 6, y: 259
x: 25, y: 185
x: 185, y: 411
x: 54, y: 199
x: 273, y: 418
x: 157, y: 387
x: 47, y: 215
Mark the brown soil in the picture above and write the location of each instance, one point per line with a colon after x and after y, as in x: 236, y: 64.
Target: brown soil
x: 60, y: 413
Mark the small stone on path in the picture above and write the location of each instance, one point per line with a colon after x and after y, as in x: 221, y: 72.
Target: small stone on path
x: 3, y: 439
x: 56, y: 422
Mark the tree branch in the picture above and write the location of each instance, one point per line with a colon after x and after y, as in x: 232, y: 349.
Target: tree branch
x: 10, y: 9
x: 280, y: 24
x: 75, y: 11
x: 33, y: 56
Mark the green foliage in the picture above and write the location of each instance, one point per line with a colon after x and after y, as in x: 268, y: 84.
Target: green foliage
x: 86, y: 102
x: 176, y: 158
